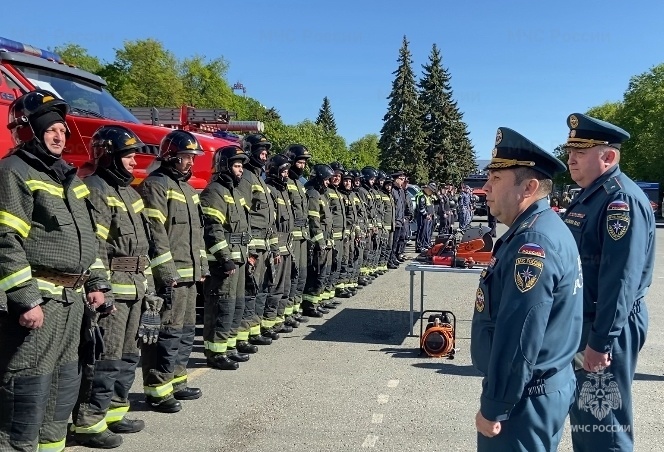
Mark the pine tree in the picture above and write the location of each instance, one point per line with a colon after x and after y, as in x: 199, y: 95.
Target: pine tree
x: 326, y: 118
x: 401, y: 142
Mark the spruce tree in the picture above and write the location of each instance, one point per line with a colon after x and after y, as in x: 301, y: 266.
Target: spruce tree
x: 401, y: 142
x: 325, y: 118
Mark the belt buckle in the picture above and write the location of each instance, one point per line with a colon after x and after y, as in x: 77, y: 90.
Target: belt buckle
x: 142, y: 263
x: 82, y: 279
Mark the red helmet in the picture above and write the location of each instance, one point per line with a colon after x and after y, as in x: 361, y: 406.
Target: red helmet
x: 26, y: 109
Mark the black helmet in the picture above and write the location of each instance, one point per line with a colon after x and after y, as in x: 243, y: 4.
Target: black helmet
x: 109, y: 144
x: 178, y: 142
x: 297, y: 152
x: 381, y: 175
x: 321, y: 172
x: 253, y: 146
x: 224, y: 158
x: 355, y: 174
x: 32, y: 113
x: 368, y: 172
x: 338, y: 168
x: 277, y: 164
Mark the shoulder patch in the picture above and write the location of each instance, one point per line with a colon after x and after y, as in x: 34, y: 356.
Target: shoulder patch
x: 532, y: 249
x: 612, y: 185
x: 527, y: 271
x: 617, y: 224
x: 479, y: 300
x: 618, y: 205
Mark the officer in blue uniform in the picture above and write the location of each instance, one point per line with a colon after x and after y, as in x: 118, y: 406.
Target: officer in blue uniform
x: 424, y: 206
x: 528, y: 306
x: 614, y: 227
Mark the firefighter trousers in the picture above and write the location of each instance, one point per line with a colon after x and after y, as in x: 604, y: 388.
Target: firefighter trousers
x: 256, y: 286
x: 224, y: 307
x: 319, y: 263
x: 337, y: 275
x: 39, y: 376
x: 104, y: 394
x: 165, y: 363
x: 368, y: 254
x: 347, y: 262
x: 298, y: 273
x: 278, y: 291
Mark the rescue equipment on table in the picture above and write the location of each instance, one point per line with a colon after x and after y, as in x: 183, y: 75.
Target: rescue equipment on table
x: 439, y: 338
x: 463, y: 249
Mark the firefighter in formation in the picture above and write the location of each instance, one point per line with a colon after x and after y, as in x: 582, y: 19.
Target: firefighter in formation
x: 97, y: 274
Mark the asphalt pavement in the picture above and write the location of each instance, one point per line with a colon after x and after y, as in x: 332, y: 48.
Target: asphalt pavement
x: 354, y: 380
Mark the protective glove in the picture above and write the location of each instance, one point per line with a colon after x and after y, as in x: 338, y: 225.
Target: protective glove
x: 148, y: 330
x: 228, y: 266
x: 93, y: 336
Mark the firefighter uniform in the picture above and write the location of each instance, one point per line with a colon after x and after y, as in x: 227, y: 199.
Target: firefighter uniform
x: 337, y: 209
x: 362, y: 242
x: 352, y: 235
x: 278, y: 305
x: 121, y: 229
x: 370, y: 215
x: 262, y: 216
x: 226, y: 239
x: 320, y: 247
x: 173, y: 210
x: 388, y: 224
x: 527, y: 320
x: 424, y: 214
x: 49, y: 246
x: 298, y: 200
x: 614, y: 227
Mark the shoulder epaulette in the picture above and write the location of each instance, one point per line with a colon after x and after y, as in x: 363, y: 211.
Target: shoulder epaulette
x: 612, y: 185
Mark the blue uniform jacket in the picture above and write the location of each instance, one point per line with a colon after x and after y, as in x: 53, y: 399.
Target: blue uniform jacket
x: 528, y: 310
x: 614, y: 227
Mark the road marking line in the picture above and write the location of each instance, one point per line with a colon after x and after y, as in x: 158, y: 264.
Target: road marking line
x: 393, y: 383
x: 197, y: 372
x: 377, y: 418
x: 383, y: 398
x: 370, y: 441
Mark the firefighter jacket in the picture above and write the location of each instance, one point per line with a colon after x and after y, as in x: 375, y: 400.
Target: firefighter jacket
x: 388, y: 210
x: 173, y: 211
x: 225, y: 221
x: 338, y: 211
x: 298, y: 199
x: 262, y: 213
x: 46, y: 231
x: 285, y: 218
x: 122, y: 231
x: 320, y: 216
x: 351, y: 203
x: 379, y: 208
x: 368, y: 204
x: 360, y: 211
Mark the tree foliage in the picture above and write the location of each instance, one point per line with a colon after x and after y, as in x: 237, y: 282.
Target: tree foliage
x: 78, y: 56
x: 325, y: 117
x: 365, y: 152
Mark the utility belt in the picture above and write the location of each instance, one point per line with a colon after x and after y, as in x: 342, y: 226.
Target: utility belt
x: 555, y: 382
x: 136, y: 264
x: 260, y: 233
x: 303, y: 222
x: 67, y: 280
x: 238, y: 238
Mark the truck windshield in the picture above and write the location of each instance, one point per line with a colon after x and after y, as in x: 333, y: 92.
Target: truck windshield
x: 84, y: 98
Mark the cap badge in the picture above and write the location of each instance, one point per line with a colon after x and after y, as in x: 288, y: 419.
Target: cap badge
x: 573, y: 122
x: 499, y: 137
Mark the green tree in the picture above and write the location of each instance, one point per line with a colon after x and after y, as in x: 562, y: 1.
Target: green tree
x: 364, y: 152
x: 78, y: 56
x: 402, y: 141
x: 563, y: 179
x: 326, y: 118
x: 145, y: 74
x: 204, y: 84
x: 608, y: 111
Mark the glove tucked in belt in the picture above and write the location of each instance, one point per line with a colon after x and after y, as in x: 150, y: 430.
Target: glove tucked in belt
x: 134, y: 264
x: 238, y: 238
x: 67, y: 280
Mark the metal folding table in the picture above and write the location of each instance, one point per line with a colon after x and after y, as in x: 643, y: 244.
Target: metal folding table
x: 414, y: 267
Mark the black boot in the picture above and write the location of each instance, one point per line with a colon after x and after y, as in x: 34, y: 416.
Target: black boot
x: 222, y: 362
x: 343, y: 293
x: 104, y: 440
x: 312, y: 312
x: 233, y: 355
x: 322, y: 309
x: 260, y: 340
x: 246, y: 347
x: 188, y: 394
x: 169, y: 405
x: 271, y: 333
x: 283, y: 328
x: 300, y: 318
x: 290, y: 321
x: 126, y: 426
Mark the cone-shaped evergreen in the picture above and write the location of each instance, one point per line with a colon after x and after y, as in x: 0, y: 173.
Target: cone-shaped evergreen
x: 401, y: 142
x: 325, y: 117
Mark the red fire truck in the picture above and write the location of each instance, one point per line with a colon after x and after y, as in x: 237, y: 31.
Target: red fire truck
x: 24, y: 68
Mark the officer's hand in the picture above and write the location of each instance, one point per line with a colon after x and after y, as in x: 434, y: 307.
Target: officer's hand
x: 486, y: 427
x: 251, y: 260
x: 277, y: 258
x: 95, y: 299
x: 594, y: 361
x: 33, y: 319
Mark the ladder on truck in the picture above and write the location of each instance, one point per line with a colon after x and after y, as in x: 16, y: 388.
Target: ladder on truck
x: 200, y: 120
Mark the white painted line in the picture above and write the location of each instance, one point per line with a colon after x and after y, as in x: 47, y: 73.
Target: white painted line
x: 383, y: 398
x: 377, y: 418
x: 393, y: 383
x: 660, y: 277
x: 370, y: 441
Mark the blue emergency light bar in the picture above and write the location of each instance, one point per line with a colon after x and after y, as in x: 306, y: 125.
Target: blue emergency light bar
x: 18, y: 47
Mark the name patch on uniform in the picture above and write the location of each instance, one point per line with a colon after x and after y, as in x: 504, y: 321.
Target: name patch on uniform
x: 532, y: 249
x: 576, y: 215
x: 618, y: 205
x: 479, y: 300
x: 617, y: 225
x: 527, y: 271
